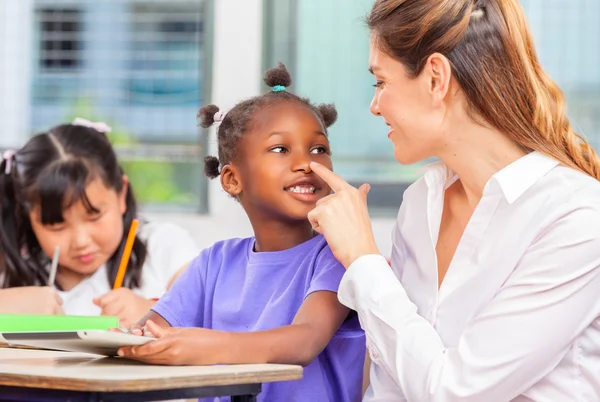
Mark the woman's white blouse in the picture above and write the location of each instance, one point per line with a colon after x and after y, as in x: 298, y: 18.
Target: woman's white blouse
x: 517, y: 314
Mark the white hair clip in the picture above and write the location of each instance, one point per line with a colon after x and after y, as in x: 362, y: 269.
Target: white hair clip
x: 96, y: 125
x: 477, y: 13
x: 219, y: 116
x: 8, y: 156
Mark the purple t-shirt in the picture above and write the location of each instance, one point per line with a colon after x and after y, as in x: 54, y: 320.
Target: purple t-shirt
x: 230, y: 287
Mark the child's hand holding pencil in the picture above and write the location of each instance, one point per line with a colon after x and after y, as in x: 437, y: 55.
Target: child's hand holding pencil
x: 122, y: 302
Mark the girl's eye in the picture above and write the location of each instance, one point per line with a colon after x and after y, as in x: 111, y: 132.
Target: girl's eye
x: 96, y: 217
x: 279, y: 150
x: 55, y: 228
x: 319, y: 150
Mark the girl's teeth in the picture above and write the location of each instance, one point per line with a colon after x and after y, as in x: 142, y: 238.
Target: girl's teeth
x: 302, y: 190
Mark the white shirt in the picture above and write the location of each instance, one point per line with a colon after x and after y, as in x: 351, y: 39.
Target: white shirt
x: 517, y: 315
x: 169, y: 249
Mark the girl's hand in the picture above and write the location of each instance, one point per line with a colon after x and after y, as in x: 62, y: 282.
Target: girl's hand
x: 343, y: 218
x: 177, y: 346
x: 30, y: 300
x: 124, y: 304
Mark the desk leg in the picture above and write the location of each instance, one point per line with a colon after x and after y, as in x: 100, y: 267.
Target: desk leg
x: 238, y: 393
x: 243, y: 398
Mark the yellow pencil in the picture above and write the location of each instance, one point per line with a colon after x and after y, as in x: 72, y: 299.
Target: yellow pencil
x: 126, y: 255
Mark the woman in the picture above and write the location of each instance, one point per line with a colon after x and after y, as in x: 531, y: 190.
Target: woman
x: 493, y: 293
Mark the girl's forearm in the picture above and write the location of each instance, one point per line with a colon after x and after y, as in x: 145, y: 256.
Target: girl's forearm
x: 292, y: 344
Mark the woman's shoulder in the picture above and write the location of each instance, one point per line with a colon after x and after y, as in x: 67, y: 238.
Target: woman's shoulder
x: 556, y: 209
x: 564, y: 191
x: 571, y: 183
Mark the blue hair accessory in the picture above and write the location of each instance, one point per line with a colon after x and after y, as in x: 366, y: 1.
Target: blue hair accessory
x: 278, y: 88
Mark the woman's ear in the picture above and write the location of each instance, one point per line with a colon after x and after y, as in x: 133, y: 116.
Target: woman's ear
x: 123, y: 195
x: 438, y: 73
x: 230, y: 180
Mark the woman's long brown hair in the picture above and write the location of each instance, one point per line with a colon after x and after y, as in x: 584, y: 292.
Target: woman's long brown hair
x: 493, y: 59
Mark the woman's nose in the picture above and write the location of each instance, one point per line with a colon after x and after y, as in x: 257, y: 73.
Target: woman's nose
x: 374, y: 106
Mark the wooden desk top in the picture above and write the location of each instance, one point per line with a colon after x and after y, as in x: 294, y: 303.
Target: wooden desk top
x: 83, y: 372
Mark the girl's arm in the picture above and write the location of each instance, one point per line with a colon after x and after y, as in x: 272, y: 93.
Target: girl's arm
x: 314, y: 325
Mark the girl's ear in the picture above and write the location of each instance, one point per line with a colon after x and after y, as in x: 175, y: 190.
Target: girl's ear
x: 230, y: 180
x: 123, y: 195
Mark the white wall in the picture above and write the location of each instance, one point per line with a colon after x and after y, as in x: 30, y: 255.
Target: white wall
x: 16, y: 19
x: 237, y: 68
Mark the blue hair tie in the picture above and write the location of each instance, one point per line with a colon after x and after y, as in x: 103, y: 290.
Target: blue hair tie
x: 278, y: 88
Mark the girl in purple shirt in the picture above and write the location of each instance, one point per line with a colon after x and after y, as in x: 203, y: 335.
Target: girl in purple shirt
x: 271, y: 298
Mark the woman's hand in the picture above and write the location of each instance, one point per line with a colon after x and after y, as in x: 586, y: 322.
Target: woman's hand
x: 343, y: 218
x: 124, y: 304
x: 30, y: 300
x: 177, y: 346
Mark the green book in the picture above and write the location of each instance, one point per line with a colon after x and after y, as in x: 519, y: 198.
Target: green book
x: 31, y: 322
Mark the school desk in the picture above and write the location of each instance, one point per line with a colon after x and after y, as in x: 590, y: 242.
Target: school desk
x: 36, y: 375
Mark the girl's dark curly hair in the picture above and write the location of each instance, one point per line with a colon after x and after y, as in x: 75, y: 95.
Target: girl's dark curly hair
x: 239, y: 119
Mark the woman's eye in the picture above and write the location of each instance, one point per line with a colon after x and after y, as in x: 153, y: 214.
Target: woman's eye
x: 55, y: 228
x: 378, y: 84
